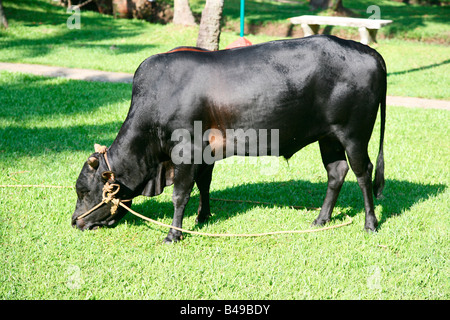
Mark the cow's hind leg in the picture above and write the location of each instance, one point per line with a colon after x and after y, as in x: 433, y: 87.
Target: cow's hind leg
x: 362, y: 167
x: 183, y: 183
x: 333, y: 158
x: 203, y: 181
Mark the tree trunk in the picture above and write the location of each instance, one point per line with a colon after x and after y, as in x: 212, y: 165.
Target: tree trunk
x: 209, y: 33
x: 104, y: 6
x: 182, y: 13
x: 3, y: 21
x: 335, y: 5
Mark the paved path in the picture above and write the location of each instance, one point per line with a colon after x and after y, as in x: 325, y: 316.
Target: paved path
x: 104, y: 76
x: 77, y: 74
x: 417, y: 103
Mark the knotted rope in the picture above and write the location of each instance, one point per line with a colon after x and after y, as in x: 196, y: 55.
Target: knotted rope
x: 108, y: 195
x: 110, y: 190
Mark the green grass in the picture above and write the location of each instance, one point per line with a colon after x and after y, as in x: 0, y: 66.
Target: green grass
x: 417, y: 69
x: 412, y: 22
x: 47, y: 130
x: 38, y: 34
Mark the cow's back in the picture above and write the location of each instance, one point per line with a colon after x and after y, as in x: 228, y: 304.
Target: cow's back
x: 305, y: 88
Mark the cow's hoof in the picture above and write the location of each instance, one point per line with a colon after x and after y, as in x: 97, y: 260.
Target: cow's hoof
x: 319, y: 222
x: 167, y: 240
x: 371, y: 225
x: 171, y: 238
x: 202, y: 218
x: 370, y: 229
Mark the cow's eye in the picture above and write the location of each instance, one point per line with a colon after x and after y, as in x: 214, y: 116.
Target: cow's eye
x: 81, y: 193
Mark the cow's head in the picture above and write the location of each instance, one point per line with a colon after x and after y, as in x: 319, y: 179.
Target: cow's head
x: 90, y: 188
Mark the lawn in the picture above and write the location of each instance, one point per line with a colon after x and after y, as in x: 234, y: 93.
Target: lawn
x: 422, y: 23
x: 38, y: 34
x: 47, y: 129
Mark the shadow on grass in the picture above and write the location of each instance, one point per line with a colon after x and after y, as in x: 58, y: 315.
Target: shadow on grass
x: 434, y: 65
x: 25, y: 97
x: 411, y: 17
x: 94, y: 27
x: 405, y: 17
x: 28, y: 100
x: 400, y: 196
x: 22, y: 142
x: 256, y: 12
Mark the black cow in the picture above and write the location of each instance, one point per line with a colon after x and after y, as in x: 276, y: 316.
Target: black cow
x: 318, y: 88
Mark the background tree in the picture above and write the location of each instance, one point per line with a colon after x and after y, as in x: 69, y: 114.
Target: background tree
x: 182, y: 13
x: 3, y: 21
x: 209, y: 32
x: 335, y: 5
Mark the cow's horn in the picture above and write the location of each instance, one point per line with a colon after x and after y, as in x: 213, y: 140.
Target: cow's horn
x: 93, y: 162
x: 100, y: 149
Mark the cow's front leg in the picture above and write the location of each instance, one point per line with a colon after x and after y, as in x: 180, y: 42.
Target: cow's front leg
x: 182, y: 187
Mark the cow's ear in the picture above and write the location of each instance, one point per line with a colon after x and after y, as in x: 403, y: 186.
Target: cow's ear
x: 108, y: 176
x: 93, y: 162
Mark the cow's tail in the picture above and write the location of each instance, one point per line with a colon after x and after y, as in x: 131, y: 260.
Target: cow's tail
x: 378, y: 183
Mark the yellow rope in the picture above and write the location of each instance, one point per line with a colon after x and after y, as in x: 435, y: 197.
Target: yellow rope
x: 196, y: 232
x: 234, y: 234
x: 33, y: 186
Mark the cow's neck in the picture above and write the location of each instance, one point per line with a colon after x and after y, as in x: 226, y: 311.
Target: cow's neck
x: 131, y: 161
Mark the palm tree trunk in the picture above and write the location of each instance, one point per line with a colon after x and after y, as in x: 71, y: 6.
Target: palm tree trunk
x: 182, y: 13
x: 209, y: 32
x: 3, y: 21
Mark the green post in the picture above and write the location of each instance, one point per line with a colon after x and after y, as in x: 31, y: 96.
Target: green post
x: 242, y: 17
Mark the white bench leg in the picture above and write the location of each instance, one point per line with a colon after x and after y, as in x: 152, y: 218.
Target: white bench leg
x: 310, y: 29
x: 368, y: 35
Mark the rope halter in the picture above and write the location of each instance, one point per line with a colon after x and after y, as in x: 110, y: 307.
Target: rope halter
x: 109, y: 190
